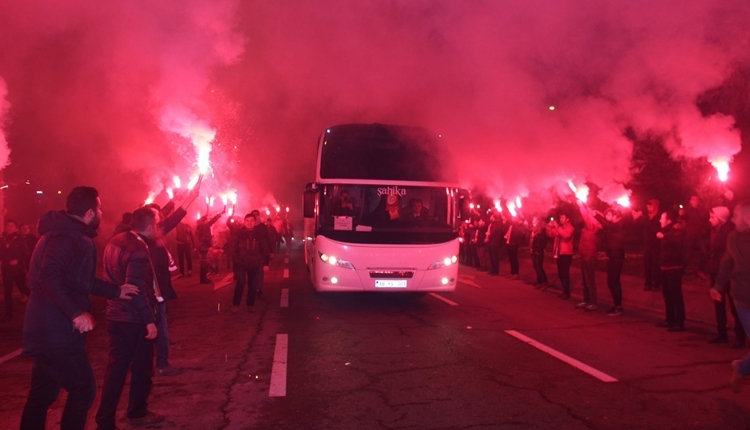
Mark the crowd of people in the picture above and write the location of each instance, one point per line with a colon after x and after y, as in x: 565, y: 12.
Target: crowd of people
x: 60, y: 268
x: 56, y: 274
x: 670, y: 239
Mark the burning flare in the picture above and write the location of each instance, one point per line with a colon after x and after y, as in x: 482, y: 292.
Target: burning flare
x: 582, y: 192
x: 624, y: 201
x: 722, y: 168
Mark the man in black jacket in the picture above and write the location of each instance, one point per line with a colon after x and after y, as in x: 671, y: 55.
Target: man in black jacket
x: 721, y: 227
x: 262, y: 233
x: 58, y: 315
x: 249, y: 252
x: 651, y: 246
x: 131, y: 325
x: 614, y: 229
x: 15, y: 253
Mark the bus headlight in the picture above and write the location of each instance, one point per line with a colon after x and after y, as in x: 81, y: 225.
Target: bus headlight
x: 333, y: 261
x: 447, y: 261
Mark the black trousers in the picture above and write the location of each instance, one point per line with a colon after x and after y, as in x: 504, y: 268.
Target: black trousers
x: 184, y: 253
x: 13, y: 275
x: 651, y: 266
x: 563, y: 271
x: 720, y: 309
x: 204, y: 267
x: 473, y: 255
x: 494, y: 259
x: 129, y: 350
x: 244, y: 275
x: 537, y: 259
x: 674, y: 303
x: 513, y: 258
x: 65, y: 368
x: 614, y: 270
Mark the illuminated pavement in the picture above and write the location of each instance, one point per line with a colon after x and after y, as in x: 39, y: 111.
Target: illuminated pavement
x: 366, y: 361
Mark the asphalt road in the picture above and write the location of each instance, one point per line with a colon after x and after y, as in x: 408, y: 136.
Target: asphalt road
x: 377, y: 361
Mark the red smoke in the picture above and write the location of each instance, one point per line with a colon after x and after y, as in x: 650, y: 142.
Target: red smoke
x: 94, y: 85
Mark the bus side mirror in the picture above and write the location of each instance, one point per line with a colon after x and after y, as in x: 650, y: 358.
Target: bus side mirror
x: 309, y: 203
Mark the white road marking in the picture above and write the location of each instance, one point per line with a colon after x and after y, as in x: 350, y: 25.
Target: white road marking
x: 278, y: 371
x: 12, y: 355
x: 468, y: 282
x: 439, y: 297
x: 286, y: 273
x: 286, y: 260
x: 562, y: 357
x: 224, y: 282
x: 284, y: 298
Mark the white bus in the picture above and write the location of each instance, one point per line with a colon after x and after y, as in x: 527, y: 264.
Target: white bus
x: 384, y: 211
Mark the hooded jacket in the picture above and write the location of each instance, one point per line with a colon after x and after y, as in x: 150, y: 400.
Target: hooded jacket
x: 248, y: 247
x: 62, y: 275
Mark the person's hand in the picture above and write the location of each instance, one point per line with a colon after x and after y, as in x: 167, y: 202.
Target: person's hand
x: 127, y: 291
x: 637, y: 214
x: 83, y: 323
x: 660, y: 235
x: 179, y: 194
x: 13, y: 262
x: 151, y: 331
x: 729, y: 194
x: 716, y: 295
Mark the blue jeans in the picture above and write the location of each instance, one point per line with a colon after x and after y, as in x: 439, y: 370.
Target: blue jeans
x: 162, y: 337
x: 744, y: 316
x: 54, y: 369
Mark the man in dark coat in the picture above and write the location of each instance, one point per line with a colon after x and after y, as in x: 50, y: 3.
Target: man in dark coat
x: 614, y: 230
x: 15, y: 253
x: 249, y: 252
x: 697, y: 230
x: 649, y: 224
x: 162, y: 261
x: 672, y: 265
x: 538, y: 243
x: 58, y: 315
x: 131, y: 325
x: 30, y: 239
x: 263, y: 234
x: 722, y: 226
x: 495, y: 239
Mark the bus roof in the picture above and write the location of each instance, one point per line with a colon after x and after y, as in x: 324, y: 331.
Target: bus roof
x: 380, y: 152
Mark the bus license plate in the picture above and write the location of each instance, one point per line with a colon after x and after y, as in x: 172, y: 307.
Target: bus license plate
x: 389, y: 283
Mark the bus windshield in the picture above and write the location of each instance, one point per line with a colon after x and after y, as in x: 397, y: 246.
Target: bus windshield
x: 387, y: 214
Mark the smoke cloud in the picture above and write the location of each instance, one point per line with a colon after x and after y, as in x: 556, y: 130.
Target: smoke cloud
x: 528, y: 94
